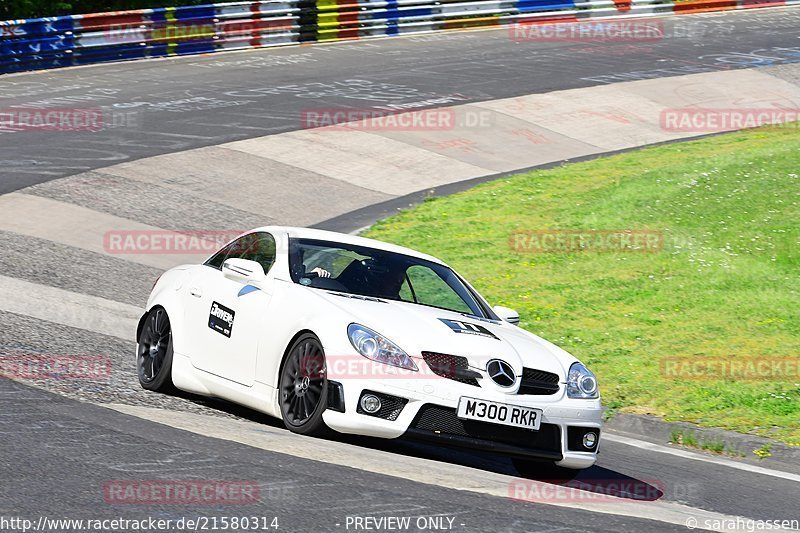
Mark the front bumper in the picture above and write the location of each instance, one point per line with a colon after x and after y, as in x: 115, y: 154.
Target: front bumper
x: 429, y: 415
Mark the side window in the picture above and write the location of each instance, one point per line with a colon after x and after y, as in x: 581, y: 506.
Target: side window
x: 216, y: 260
x: 259, y: 247
x: 430, y: 289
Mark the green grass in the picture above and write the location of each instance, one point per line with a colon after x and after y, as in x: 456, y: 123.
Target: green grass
x: 724, y: 285
x: 690, y: 440
x: 684, y: 439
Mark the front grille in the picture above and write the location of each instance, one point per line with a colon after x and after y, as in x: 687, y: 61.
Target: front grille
x: 452, y: 367
x: 444, y: 420
x: 538, y: 382
x: 391, y: 406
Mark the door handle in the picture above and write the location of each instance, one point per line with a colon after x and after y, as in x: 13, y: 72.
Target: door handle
x: 195, y: 291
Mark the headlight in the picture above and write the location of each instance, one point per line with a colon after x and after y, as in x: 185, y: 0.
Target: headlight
x: 581, y: 383
x: 375, y: 346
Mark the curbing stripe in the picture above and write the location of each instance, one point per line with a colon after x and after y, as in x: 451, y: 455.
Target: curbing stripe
x: 71, y: 309
x: 83, y: 228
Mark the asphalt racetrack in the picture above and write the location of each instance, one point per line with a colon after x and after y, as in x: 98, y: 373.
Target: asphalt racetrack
x: 164, y: 106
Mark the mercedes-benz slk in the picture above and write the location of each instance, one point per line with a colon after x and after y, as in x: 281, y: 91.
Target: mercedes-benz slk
x: 333, y: 332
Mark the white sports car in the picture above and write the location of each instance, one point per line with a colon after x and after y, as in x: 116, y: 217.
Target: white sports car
x: 335, y: 332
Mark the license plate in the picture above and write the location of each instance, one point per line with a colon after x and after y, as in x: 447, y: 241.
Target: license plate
x: 499, y: 413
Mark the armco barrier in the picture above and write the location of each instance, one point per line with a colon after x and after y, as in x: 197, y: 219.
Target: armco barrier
x: 82, y: 39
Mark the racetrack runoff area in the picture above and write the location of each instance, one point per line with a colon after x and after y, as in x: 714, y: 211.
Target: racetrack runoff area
x: 373, y: 160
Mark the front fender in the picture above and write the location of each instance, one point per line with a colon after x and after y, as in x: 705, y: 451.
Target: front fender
x: 140, y: 325
x: 302, y: 313
x: 166, y: 294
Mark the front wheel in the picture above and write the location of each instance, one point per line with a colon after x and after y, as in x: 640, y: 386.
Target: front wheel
x: 544, y: 470
x: 304, y: 387
x: 154, y: 352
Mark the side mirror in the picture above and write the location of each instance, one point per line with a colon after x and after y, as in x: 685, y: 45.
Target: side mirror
x: 243, y: 270
x: 509, y: 315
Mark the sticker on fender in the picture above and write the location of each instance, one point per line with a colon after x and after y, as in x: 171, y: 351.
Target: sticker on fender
x: 499, y: 413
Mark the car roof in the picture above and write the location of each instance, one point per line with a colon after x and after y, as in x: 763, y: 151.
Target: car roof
x: 345, y: 238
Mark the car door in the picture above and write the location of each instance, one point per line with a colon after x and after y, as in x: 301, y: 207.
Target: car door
x: 229, y: 316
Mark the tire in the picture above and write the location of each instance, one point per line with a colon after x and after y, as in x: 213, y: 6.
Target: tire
x: 303, y: 388
x: 544, y: 470
x: 154, y: 352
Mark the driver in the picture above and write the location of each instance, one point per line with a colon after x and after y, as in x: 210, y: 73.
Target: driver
x: 321, y: 272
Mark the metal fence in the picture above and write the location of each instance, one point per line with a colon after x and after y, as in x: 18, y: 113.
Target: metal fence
x: 83, y: 39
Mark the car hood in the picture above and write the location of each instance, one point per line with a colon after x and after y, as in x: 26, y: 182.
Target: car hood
x: 417, y: 328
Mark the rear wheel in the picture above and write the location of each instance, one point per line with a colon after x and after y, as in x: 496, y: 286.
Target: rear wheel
x: 544, y: 470
x: 304, y: 387
x: 154, y: 352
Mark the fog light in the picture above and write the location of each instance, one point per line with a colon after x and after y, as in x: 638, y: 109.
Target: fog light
x: 589, y: 440
x: 372, y: 404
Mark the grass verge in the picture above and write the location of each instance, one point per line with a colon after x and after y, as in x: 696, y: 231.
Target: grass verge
x: 717, y: 446
x: 721, y: 286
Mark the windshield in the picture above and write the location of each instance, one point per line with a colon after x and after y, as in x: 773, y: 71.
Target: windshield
x: 376, y: 273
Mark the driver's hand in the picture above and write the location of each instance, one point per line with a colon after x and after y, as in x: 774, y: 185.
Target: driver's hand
x: 321, y: 272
